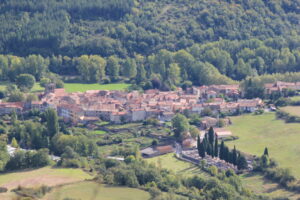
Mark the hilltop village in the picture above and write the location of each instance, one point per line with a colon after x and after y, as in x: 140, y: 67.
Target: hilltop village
x: 121, y: 107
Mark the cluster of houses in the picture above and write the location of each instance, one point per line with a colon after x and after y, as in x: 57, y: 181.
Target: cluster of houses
x: 120, y: 106
x: 280, y: 86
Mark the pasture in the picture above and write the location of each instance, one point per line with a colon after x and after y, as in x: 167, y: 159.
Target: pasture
x: 170, y: 162
x: 292, y: 110
x: 80, y: 87
x: 43, y: 176
x: 295, y: 98
x: 47, y: 176
x: 256, y: 132
x: 98, y: 132
x: 88, y: 190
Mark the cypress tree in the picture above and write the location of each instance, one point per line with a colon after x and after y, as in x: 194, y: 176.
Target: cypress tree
x: 221, y: 154
x: 216, y: 151
x: 208, y: 149
x: 234, y: 156
x: 205, y: 143
x: 229, y: 156
x: 198, y: 144
x: 226, y: 154
x: 266, y: 152
x: 211, y: 136
x: 202, y: 150
x: 242, y: 162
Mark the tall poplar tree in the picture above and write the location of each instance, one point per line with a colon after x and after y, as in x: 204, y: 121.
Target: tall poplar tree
x: 52, y: 122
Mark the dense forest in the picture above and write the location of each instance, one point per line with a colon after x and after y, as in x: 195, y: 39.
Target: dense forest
x: 155, y: 44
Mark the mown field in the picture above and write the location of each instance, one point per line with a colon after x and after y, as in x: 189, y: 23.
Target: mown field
x: 257, y: 184
x: 293, y: 110
x: 295, y: 98
x: 93, y: 191
x: 80, y: 87
x: 256, y: 132
x: 43, y: 176
x: 98, y: 132
x: 169, y: 162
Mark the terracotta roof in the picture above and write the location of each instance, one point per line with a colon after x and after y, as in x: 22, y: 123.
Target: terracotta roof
x: 165, y: 149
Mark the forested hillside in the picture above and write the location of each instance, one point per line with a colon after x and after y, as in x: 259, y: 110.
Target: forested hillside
x: 155, y: 43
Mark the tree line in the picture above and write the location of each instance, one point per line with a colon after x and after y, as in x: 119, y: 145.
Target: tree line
x: 45, y: 133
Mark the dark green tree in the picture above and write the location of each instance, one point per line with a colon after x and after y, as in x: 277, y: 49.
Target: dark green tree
x: 234, y: 156
x: 211, y: 135
x: 25, y: 82
x: 266, y: 152
x: 202, y: 150
x: 242, y: 162
x: 226, y: 154
x: 221, y: 154
x: 216, y: 146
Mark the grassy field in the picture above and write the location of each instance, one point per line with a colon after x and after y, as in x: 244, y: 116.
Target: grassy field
x: 80, y: 87
x: 256, y: 132
x: 295, y: 98
x: 43, y: 176
x: 47, y: 176
x: 98, y: 132
x: 259, y: 185
x: 169, y: 162
x: 92, y: 191
x: 293, y: 110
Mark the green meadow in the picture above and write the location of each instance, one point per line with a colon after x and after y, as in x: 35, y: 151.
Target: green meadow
x: 170, y: 162
x: 98, y: 132
x: 80, y: 87
x: 93, y: 191
x: 256, y: 132
x: 293, y: 110
x: 44, y: 176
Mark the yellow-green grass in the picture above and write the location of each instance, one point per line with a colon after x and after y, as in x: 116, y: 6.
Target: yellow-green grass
x: 170, y: 162
x: 80, y: 87
x: 43, y: 176
x: 256, y: 183
x: 292, y: 110
x: 98, y: 132
x: 127, y: 125
x: 88, y: 190
x: 295, y: 98
x: 256, y: 132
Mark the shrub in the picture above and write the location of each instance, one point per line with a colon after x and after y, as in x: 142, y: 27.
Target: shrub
x: 3, y: 189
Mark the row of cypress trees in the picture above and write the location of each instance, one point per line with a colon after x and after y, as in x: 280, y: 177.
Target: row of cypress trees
x: 209, y: 146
